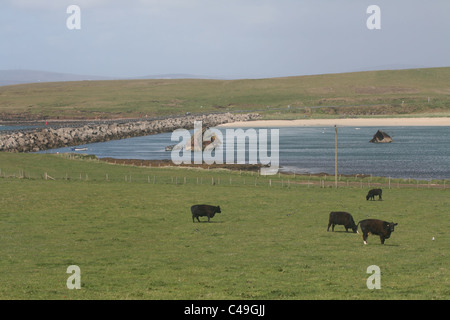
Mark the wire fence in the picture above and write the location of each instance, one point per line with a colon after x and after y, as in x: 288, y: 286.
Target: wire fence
x: 219, y: 177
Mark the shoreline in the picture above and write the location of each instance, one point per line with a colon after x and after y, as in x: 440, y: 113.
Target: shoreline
x: 255, y: 168
x: 224, y: 166
x: 348, y: 122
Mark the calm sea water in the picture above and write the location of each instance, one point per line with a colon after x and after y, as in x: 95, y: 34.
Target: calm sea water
x: 416, y: 152
x: 19, y: 127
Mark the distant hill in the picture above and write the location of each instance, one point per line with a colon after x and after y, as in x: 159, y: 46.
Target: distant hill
x: 174, y: 76
x: 369, y: 93
x: 11, y: 77
x: 396, y: 66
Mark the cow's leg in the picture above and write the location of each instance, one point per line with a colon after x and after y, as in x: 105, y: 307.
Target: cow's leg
x: 329, y: 224
x: 198, y: 219
x: 208, y: 217
x: 365, y: 237
x: 193, y: 219
x: 379, y: 197
x: 382, y: 239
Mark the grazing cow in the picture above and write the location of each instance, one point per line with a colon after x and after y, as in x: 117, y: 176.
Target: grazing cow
x: 374, y: 192
x: 377, y: 227
x: 201, y: 210
x: 342, y: 218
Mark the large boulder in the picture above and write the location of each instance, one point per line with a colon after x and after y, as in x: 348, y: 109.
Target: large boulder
x: 381, y: 137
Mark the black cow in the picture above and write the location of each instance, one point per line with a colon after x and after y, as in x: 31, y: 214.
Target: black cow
x: 201, y: 210
x: 341, y: 218
x: 377, y: 227
x: 374, y: 192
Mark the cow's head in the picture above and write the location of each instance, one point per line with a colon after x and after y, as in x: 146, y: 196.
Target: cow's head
x: 391, y: 226
x: 218, y: 209
x: 368, y: 197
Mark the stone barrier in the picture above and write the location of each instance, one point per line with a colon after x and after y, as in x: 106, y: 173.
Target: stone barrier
x: 51, y: 138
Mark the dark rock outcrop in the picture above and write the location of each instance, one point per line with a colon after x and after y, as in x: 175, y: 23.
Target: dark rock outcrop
x: 381, y: 137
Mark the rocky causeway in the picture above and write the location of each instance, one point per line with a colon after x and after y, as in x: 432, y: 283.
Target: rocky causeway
x: 83, y: 132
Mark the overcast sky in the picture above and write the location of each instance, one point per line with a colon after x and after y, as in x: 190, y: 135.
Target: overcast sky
x: 222, y: 38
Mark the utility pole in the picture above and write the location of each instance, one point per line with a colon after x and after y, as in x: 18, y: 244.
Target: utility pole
x: 335, y: 158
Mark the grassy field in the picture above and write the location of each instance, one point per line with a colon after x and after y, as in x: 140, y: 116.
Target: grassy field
x: 133, y: 236
x: 398, y: 92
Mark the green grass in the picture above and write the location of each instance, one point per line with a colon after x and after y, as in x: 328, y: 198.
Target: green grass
x: 398, y: 92
x: 136, y: 240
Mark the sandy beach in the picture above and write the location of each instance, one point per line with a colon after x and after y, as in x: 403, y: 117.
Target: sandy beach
x: 351, y: 122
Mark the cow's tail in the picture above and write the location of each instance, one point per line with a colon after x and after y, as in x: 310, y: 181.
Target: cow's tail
x: 362, y: 236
